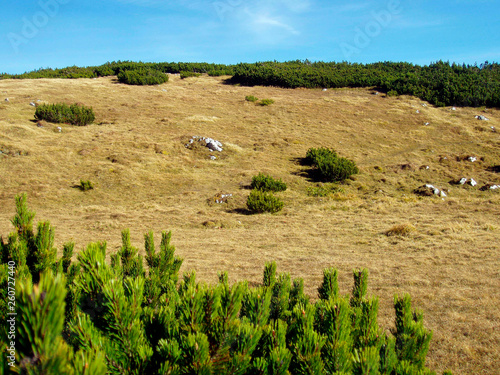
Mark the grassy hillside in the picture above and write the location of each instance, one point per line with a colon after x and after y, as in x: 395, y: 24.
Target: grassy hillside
x: 145, y: 178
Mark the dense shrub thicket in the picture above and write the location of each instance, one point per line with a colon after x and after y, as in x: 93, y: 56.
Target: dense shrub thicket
x: 265, y: 182
x: 114, y: 68
x: 187, y: 74
x: 94, y: 317
x: 144, y: 76
x: 329, y: 165
x: 74, y: 114
x: 439, y: 83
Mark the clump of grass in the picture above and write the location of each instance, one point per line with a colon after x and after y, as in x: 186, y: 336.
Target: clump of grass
x: 264, y: 182
x: 402, y: 230
x: 251, y: 98
x: 260, y: 202
x: 85, y: 185
x: 266, y: 102
x: 321, y: 190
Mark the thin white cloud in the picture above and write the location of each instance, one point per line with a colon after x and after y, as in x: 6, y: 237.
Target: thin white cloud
x: 264, y: 20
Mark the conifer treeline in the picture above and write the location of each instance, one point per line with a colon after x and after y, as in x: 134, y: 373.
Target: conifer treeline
x: 440, y: 83
x: 94, y: 317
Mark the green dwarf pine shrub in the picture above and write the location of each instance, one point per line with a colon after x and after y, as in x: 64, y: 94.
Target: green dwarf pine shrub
x: 260, y: 202
x: 330, y: 167
x: 333, y: 320
x: 93, y: 317
x: 297, y: 295
x: 85, y: 185
x: 339, y: 169
x: 217, y: 73
x: 269, y: 274
x: 280, y: 299
x: 142, y: 76
x: 314, y: 154
x: 40, y: 348
x: 266, y: 102
x: 264, y: 182
x: 329, y: 288
x: 412, y: 338
x: 74, y: 114
x: 251, y: 98
x: 67, y: 254
x: 131, y: 263
x: 23, y: 220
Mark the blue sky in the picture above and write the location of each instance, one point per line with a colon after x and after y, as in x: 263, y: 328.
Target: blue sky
x: 58, y: 33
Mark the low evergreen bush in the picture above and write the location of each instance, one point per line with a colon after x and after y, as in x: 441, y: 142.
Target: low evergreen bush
x: 74, y: 114
x: 314, y: 154
x: 260, y: 202
x: 264, y: 182
x: 94, y: 317
x: 142, y: 76
x: 329, y: 165
x: 336, y: 169
x: 251, y: 98
x: 85, y: 185
x: 266, y: 102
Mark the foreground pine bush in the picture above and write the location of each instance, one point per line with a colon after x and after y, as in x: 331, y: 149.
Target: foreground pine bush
x: 94, y: 317
x: 142, y: 76
x: 74, y: 114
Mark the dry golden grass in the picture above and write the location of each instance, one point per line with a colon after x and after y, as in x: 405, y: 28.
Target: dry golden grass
x: 145, y: 178
x: 403, y: 230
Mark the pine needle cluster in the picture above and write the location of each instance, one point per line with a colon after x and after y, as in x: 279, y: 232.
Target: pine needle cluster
x: 94, y: 317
